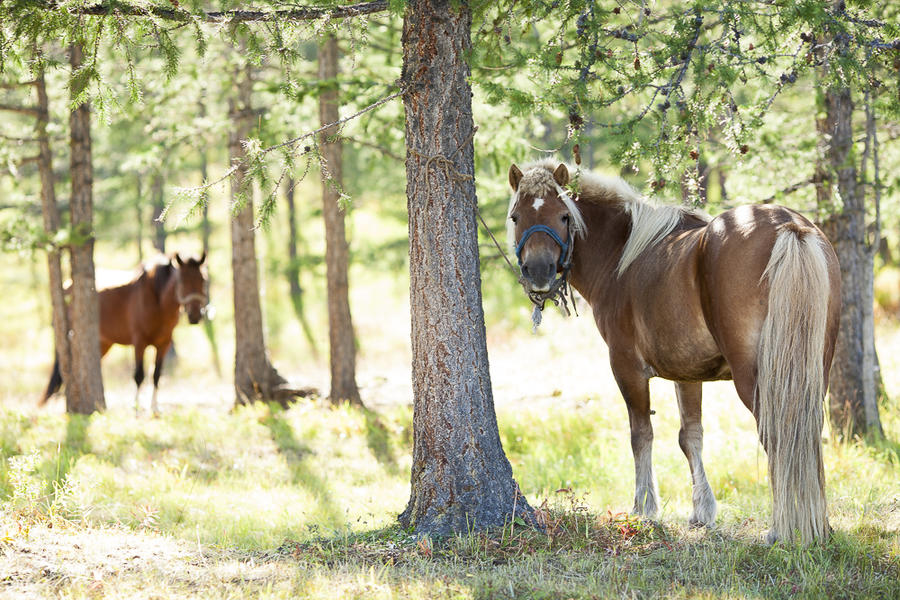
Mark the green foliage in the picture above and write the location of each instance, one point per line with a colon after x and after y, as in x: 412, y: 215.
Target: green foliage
x: 668, y: 78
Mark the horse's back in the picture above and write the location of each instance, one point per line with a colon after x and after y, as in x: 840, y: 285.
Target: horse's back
x: 113, y: 278
x: 119, y: 298
x: 737, y: 245
x: 735, y: 251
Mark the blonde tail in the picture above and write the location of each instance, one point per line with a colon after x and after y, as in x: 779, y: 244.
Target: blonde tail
x: 791, y: 383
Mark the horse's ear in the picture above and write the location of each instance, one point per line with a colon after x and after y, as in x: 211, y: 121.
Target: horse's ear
x: 202, y: 259
x: 561, y: 175
x: 515, y: 176
x: 178, y: 259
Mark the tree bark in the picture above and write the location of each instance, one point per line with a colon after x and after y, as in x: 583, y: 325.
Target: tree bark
x: 853, y: 395
x: 461, y: 479
x: 342, y: 341
x: 85, y: 388
x: 254, y: 376
x: 52, y: 221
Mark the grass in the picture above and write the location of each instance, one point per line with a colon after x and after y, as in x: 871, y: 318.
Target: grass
x: 268, y: 503
x: 259, y: 502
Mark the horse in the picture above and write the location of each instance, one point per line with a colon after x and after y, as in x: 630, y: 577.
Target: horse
x: 752, y: 295
x: 144, y: 312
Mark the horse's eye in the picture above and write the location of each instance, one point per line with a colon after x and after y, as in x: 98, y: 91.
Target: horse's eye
x: 565, y: 218
x: 514, y: 218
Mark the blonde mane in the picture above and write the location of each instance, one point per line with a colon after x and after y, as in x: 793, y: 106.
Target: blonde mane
x: 650, y: 222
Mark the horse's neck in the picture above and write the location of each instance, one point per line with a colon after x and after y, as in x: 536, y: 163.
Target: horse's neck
x: 596, y: 256
x: 168, y: 300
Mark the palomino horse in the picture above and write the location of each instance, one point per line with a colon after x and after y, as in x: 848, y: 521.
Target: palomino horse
x: 752, y: 295
x: 144, y: 311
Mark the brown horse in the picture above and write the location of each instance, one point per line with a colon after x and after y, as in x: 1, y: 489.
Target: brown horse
x: 144, y: 311
x: 752, y: 295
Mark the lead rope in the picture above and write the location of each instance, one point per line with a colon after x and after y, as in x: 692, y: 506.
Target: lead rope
x: 559, y: 289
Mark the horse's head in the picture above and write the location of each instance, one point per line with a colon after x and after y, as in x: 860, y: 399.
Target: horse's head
x: 543, y: 221
x: 191, y: 285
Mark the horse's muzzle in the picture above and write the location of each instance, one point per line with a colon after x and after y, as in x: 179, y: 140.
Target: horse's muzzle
x: 539, y: 273
x: 194, y: 314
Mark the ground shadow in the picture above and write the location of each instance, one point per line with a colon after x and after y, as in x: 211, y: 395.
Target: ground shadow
x: 378, y: 439
x: 297, y: 457
x: 627, y: 557
x: 75, y: 445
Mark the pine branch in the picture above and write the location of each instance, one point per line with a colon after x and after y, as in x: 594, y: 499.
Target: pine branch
x: 291, y: 143
x: 379, y: 148
x: 22, y: 162
x: 22, y: 110
x: 788, y: 190
x: 16, y: 84
x: 114, y: 7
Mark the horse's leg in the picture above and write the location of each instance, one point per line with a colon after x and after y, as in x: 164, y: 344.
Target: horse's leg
x: 138, y: 374
x: 635, y: 389
x: 157, y: 372
x: 690, y: 438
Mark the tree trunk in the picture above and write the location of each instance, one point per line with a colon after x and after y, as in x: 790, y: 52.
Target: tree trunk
x: 205, y: 224
x: 340, y: 325
x: 209, y: 327
x: 158, y: 197
x: 139, y: 214
x: 254, y: 376
x: 461, y: 479
x: 293, y: 268
x: 50, y: 210
x: 853, y: 398
x: 85, y: 388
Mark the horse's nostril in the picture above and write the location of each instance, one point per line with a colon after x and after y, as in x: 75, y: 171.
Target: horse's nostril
x: 525, y: 271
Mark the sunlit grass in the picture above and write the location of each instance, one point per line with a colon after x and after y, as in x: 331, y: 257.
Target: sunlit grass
x: 313, y: 492
x: 260, y: 502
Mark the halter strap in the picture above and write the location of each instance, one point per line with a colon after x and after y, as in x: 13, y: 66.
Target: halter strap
x: 559, y: 289
x: 195, y: 296
x: 564, y: 247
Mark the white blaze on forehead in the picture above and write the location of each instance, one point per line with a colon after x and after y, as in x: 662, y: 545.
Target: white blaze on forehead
x: 538, y: 203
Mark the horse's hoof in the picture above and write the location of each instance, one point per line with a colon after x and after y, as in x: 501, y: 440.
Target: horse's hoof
x: 695, y: 523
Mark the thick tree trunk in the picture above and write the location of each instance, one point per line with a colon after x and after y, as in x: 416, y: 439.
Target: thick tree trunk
x: 254, y: 376
x: 461, y: 479
x: 853, y: 398
x: 85, y: 388
x: 340, y: 324
x: 52, y: 221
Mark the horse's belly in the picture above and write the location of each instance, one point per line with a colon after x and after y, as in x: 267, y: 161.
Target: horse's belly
x: 703, y: 370
x: 692, y: 359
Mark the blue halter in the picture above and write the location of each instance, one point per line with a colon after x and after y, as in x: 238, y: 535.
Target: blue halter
x: 564, y: 247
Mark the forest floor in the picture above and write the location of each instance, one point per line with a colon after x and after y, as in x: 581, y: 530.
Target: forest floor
x: 208, y: 501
